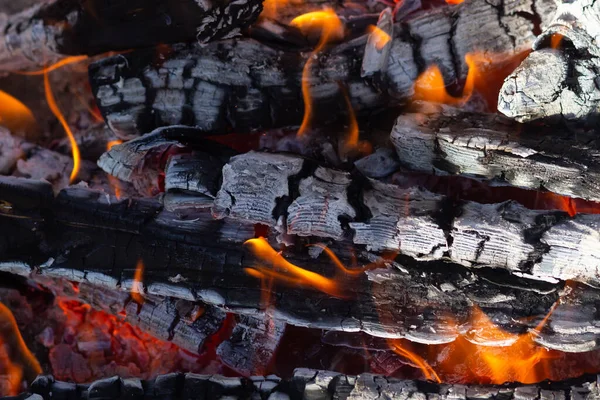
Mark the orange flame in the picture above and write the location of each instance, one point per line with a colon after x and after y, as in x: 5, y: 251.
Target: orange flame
x: 381, y: 37
x: 113, y: 180
x: 515, y: 358
x: 485, y: 77
x: 271, y: 8
x: 330, y: 27
x: 351, y: 141
x: 16, y: 361
x: 454, y: 2
x: 428, y: 372
x: 15, y: 115
x: 138, y: 287
x: 56, y: 111
x: 57, y: 65
x: 556, y: 40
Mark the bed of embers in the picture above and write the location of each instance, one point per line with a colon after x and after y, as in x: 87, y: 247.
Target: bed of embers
x: 288, y: 199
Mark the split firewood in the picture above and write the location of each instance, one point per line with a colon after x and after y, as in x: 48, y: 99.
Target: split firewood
x: 89, y: 235
x: 445, y: 140
x: 559, y: 79
x: 46, y: 32
x: 306, y: 384
x: 260, y: 86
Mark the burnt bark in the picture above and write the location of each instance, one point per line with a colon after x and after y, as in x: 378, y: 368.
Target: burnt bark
x: 559, y: 83
x: 47, y: 32
x: 305, y: 383
x: 260, y: 87
x: 91, y: 237
x: 445, y: 140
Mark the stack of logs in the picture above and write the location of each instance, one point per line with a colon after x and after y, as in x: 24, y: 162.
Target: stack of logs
x: 451, y: 255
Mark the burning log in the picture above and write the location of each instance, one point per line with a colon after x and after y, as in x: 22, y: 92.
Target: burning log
x: 89, y: 234
x: 449, y: 141
x: 45, y: 33
x: 558, y: 80
x: 305, y: 383
x: 261, y: 87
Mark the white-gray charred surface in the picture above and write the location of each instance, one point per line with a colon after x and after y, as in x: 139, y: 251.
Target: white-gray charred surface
x: 444, y: 140
x: 306, y: 384
x: 559, y: 83
x: 243, y: 84
x: 92, y: 238
x: 44, y: 33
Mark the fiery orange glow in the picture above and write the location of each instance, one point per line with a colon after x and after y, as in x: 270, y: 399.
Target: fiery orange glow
x: 271, y: 8
x: 56, y: 111
x: 485, y: 77
x: 453, y: 2
x: 137, y: 289
x: 330, y: 27
x: 55, y: 66
x: 15, y: 115
x: 555, y: 40
x: 381, y: 37
x: 113, y: 180
x: 351, y: 141
x: 16, y: 361
x: 428, y: 372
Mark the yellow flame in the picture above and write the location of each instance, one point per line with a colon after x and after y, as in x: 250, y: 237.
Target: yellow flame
x: 330, y: 27
x: 15, y: 115
x: 57, y: 65
x: 56, y: 111
x: 16, y: 359
x: 137, y: 287
x: 381, y: 37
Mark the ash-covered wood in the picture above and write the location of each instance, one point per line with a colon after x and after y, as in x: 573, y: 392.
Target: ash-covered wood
x: 259, y: 86
x: 252, y: 344
x: 559, y: 83
x: 87, y: 233
x: 444, y: 140
x: 305, y: 384
x: 48, y: 31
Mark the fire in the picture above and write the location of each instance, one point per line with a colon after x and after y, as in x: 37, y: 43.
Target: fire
x: 112, y: 180
x: 555, y: 40
x: 57, y: 65
x: 330, y: 27
x: 15, y: 115
x: 56, y: 111
x: 381, y: 37
x: 16, y: 361
x: 514, y: 358
x: 428, y: 372
x: 485, y: 77
x: 351, y: 141
x: 271, y: 8
x: 137, y: 289
x: 454, y: 2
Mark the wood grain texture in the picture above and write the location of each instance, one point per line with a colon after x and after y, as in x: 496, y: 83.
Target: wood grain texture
x: 243, y: 85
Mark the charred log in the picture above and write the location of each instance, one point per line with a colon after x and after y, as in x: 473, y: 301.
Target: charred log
x: 91, y: 236
x: 444, y: 140
x: 46, y: 32
x: 560, y: 83
x: 260, y: 87
x: 305, y: 383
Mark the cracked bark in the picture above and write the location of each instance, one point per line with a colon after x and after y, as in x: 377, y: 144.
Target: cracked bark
x: 561, y: 83
x: 305, y: 383
x: 445, y: 140
x: 93, y: 238
x: 260, y: 87
x: 47, y: 32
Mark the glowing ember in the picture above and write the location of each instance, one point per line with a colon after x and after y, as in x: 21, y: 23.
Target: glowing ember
x: 485, y: 77
x: 16, y: 361
x: 114, y: 181
x: 381, y: 37
x: 330, y: 27
x: 14, y: 115
x: 555, y: 40
x: 137, y: 289
x: 56, y: 111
